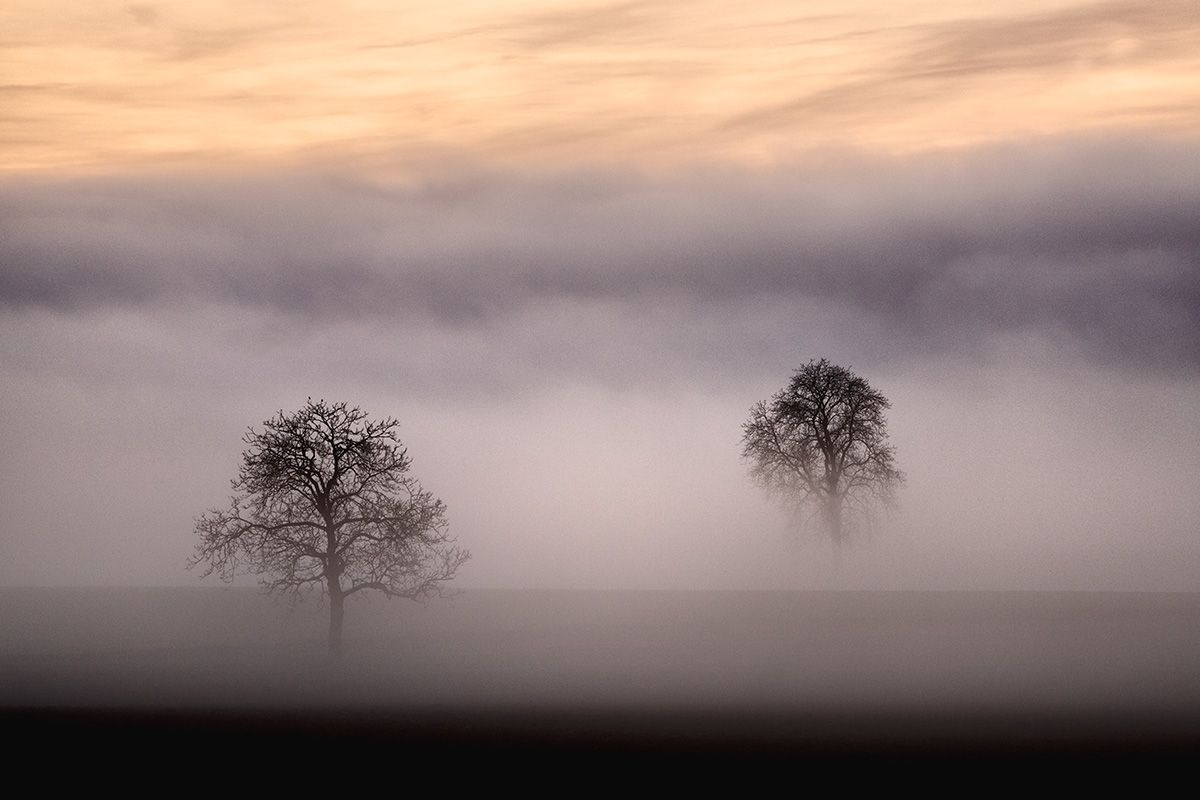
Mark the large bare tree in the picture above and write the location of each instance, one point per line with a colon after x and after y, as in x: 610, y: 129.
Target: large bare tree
x: 324, y: 500
x: 821, y: 444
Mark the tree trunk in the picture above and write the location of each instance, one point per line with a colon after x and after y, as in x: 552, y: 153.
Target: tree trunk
x: 833, y: 510
x: 336, y: 613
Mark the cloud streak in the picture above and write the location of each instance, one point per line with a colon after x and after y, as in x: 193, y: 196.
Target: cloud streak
x: 515, y: 83
x: 949, y: 60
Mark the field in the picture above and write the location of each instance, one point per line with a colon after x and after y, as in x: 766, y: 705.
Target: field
x: 713, y: 672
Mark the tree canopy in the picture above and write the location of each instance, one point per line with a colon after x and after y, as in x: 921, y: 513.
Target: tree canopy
x: 324, y: 500
x: 821, y: 445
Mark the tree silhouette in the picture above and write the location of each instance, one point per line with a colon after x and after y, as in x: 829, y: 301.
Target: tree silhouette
x: 324, y: 501
x: 821, y: 445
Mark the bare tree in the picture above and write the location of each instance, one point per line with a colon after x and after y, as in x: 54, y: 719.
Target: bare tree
x: 821, y: 444
x: 324, y: 501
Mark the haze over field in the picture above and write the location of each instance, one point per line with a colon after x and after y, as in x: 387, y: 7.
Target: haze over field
x: 570, y: 246
x: 755, y: 652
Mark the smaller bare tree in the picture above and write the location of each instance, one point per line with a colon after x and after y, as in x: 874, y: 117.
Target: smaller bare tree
x: 324, y: 500
x: 821, y: 444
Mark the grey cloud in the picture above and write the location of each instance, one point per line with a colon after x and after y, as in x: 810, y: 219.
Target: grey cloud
x: 549, y: 29
x: 188, y: 44
x: 1094, y: 243
x: 142, y: 13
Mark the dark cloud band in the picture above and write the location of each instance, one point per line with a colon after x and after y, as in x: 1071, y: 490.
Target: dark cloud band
x: 1097, y: 241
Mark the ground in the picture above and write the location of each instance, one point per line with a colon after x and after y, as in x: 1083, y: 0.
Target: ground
x: 747, y: 675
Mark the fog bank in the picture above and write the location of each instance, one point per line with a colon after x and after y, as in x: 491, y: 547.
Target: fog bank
x: 571, y: 357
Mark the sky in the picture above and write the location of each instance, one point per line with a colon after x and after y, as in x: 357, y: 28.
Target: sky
x: 569, y: 245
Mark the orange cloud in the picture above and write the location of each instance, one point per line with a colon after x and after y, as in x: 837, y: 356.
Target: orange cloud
x: 105, y: 85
